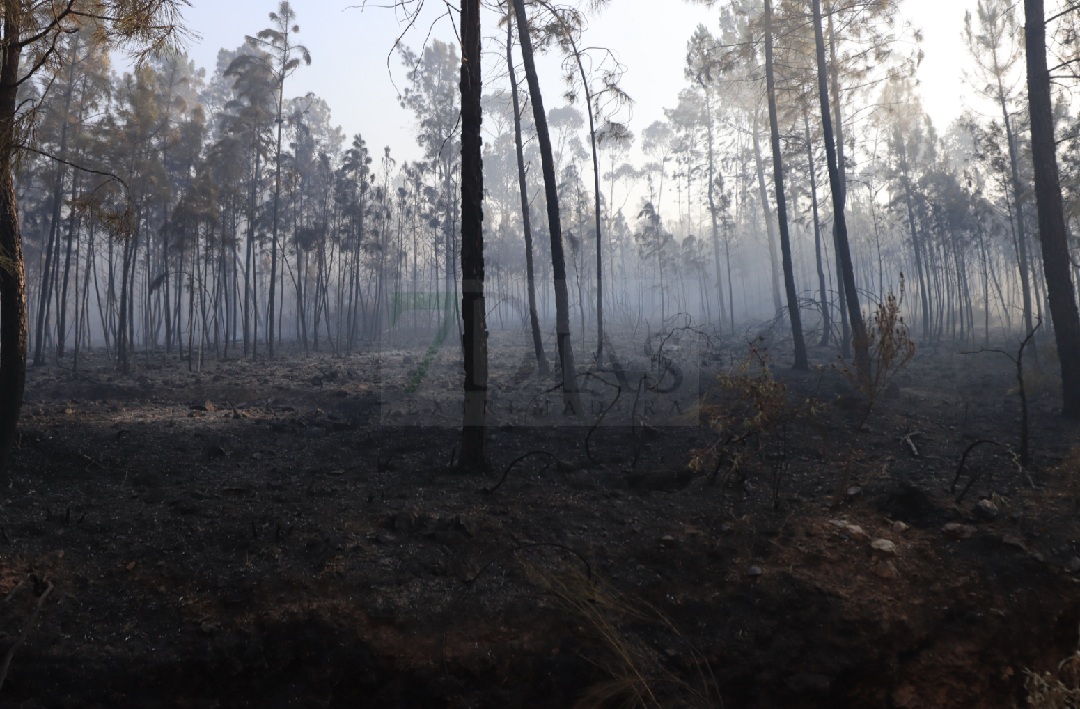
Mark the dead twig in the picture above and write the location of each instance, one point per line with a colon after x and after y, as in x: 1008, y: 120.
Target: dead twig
x: 515, y: 461
x: 688, y: 327
x: 1018, y: 360
x: 974, y: 478
x: 25, y: 633
x: 906, y: 438
x: 600, y: 418
x: 524, y: 421
x: 633, y: 420
x: 92, y: 462
x: 14, y: 590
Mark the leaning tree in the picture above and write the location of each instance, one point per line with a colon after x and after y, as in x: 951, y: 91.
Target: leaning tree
x: 571, y: 398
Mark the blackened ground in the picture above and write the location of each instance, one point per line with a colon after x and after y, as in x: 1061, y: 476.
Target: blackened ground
x: 260, y: 535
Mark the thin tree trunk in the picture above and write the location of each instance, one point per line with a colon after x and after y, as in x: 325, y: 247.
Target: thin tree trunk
x: 596, y: 198
x: 72, y: 238
x: 526, y: 212
x: 274, y: 222
x: 917, y: 248
x: 571, y: 399
x: 781, y: 201
x: 843, y: 251
x: 251, y: 270
x: 1021, y: 228
x: 714, y: 217
x: 123, y: 339
x: 826, y: 312
x: 770, y: 230
x: 841, y: 147
x: 47, y: 277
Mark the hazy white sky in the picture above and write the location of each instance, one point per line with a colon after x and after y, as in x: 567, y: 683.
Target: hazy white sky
x: 350, y: 46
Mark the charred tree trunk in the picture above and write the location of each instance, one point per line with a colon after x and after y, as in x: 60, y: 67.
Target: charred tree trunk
x: 526, y: 220
x: 1021, y: 228
x: 65, y: 280
x: 838, y: 123
x: 1056, y: 259
x: 596, y: 200
x: 770, y: 230
x: 474, y: 314
x: 917, y: 248
x: 47, y: 272
x: 826, y: 312
x: 843, y: 250
x: 251, y: 270
x: 275, y: 218
x: 781, y: 201
x: 124, y: 338
x: 13, y: 326
x: 714, y: 220
x: 571, y: 399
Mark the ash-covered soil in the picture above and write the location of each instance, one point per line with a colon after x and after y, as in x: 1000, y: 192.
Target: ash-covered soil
x: 292, y: 534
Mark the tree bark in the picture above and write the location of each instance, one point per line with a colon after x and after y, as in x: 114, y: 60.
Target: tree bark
x: 48, y: 277
x: 571, y: 399
x: 596, y: 199
x: 1052, y: 234
x: 826, y: 313
x: 72, y: 238
x: 523, y: 188
x: 918, y: 247
x: 770, y: 230
x: 1021, y: 229
x: 781, y: 201
x: 474, y: 314
x: 13, y: 326
x: 843, y: 250
x: 714, y: 220
x: 274, y: 223
x: 838, y: 122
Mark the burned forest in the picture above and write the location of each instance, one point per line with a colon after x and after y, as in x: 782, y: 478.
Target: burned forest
x: 539, y: 353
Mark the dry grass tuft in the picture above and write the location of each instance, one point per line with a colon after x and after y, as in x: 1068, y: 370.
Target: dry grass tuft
x: 1055, y: 690
x: 639, y: 674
